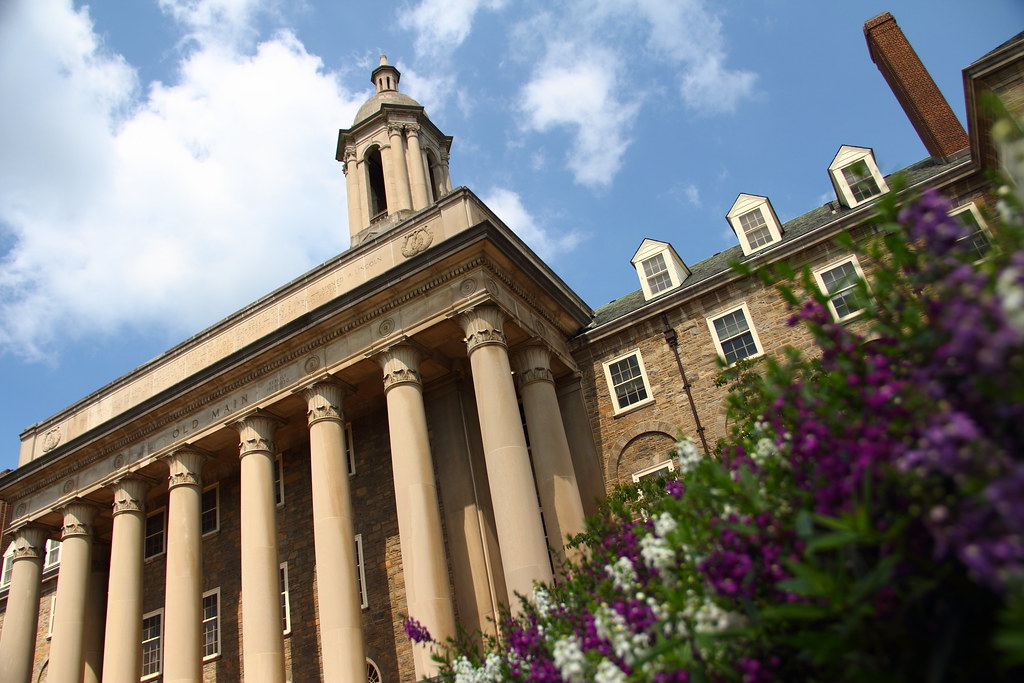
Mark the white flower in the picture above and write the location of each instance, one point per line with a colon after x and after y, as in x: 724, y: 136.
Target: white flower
x: 542, y: 601
x: 622, y: 574
x: 608, y: 672
x: 569, y: 659
x: 657, y: 554
x: 1011, y: 297
x: 664, y: 524
x: 765, y: 448
x: 686, y: 456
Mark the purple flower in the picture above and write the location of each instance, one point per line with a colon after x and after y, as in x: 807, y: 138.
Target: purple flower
x: 416, y: 631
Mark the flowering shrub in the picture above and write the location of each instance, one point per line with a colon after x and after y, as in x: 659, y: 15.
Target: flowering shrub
x: 866, y: 523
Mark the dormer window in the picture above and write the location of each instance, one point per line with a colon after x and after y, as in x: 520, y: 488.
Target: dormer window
x: 855, y: 176
x: 659, y: 267
x: 754, y: 222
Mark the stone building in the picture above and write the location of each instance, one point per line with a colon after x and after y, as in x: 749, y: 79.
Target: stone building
x: 409, y: 427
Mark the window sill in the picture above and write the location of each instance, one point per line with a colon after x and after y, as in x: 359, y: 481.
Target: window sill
x: 634, y: 407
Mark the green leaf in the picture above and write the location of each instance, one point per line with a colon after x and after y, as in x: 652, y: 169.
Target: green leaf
x: 837, y: 539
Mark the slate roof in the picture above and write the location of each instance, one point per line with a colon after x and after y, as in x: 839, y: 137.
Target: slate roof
x: 792, y: 230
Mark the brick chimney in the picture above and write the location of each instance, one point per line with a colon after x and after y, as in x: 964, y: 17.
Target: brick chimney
x: 935, y: 123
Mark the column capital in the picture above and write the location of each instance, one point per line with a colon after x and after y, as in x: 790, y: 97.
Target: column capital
x: 256, y: 432
x: 401, y: 365
x: 483, y: 325
x: 413, y: 129
x: 533, y: 364
x: 185, y: 464
x: 78, y: 517
x: 323, y: 398
x: 130, y: 493
x: 30, y: 541
x: 394, y: 129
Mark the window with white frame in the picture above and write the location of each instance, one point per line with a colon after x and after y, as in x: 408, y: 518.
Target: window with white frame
x: 8, y: 567
x: 53, y: 611
x: 976, y: 240
x: 156, y: 533
x: 211, y: 509
x: 838, y: 281
x: 734, y: 335
x: 659, y: 267
x: 755, y: 229
x: 661, y: 469
x: 152, y: 643
x: 627, y: 382
x: 52, y: 554
x: 350, y: 449
x: 855, y: 175
x: 364, y: 601
x: 279, y: 480
x: 372, y: 672
x: 656, y: 272
x: 754, y: 222
x: 286, y: 605
x: 211, y: 623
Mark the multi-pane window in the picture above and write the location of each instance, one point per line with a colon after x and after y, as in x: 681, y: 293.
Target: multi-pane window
x: 627, y: 381
x: 656, y: 273
x: 52, y: 554
x: 360, y: 573
x: 279, y: 480
x: 8, y: 568
x: 152, y: 643
x: 156, y: 528
x: 659, y: 470
x: 211, y: 623
x: 976, y: 241
x: 755, y: 228
x: 734, y: 335
x: 372, y: 672
x: 838, y: 282
x: 211, y: 509
x: 286, y: 607
x: 862, y: 183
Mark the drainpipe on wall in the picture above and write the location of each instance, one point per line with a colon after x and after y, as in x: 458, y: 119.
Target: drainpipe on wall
x: 673, y: 342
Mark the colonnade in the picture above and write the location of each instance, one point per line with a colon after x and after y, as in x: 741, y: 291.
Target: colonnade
x: 514, y: 492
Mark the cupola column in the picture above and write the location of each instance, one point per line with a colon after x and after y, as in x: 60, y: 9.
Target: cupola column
x: 446, y: 179
x: 524, y: 552
x: 67, y: 651
x: 400, y: 173
x: 18, y: 640
x: 357, y: 217
x: 415, y: 162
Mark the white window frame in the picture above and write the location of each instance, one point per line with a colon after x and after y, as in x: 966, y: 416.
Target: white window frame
x: 216, y: 620
x: 286, y: 599
x: 216, y: 508
x: 666, y: 465
x: 618, y: 409
x: 53, y: 610
x: 972, y: 208
x: 750, y: 328
x: 7, y: 570
x: 364, y: 600
x: 350, y: 450
x: 819, y: 274
x: 846, y: 157
x: 160, y: 643
x: 279, y: 480
x: 745, y: 205
x: 163, y: 534
x: 52, y: 557
x: 674, y: 267
x: 372, y: 672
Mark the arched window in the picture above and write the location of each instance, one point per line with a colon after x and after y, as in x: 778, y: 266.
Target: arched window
x: 375, y: 178
x: 372, y: 672
x: 434, y: 172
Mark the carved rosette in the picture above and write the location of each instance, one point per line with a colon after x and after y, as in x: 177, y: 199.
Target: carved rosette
x: 130, y: 495
x: 78, y: 518
x: 417, y: 241
x: 533, y: 364
x: 30, y: 542
x: 323, y: 401
x: 401, y: 365
x: 482, y: 325
x: 256, y: 433
x: 186, y: 466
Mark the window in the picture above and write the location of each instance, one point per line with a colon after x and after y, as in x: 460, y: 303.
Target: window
x: 286, y: 607
x: 53, y: 611
x: 754, y: 222
x: 52, y: 554
x: 372, y: 672
x: 838, y: 282
x: 661, y: 469
x: 152, y: 645
x: 360, y: 573
x: 862, y: 183
x: 659, y: 267
x: 656, y: 273
x: 350, y: 449
x: 156, y: 533
x: 855, y: 176
x: 627, y: 381
x: 211, y: 509
x: 976, y: 240
x: 211, y: 623
x: 8, y: 567
x: 734, y: 336
x: 279, y: 480
x: 755, y: 229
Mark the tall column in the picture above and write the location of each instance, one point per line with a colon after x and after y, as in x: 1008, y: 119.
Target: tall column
x: 552, y: 460
x: 524, y: 554
x: 447, y: 178
x: 18, y: 639
x: 341, y: 634
x: 399, y: 171
x: 419, y: 520
x: 122, y: 660
x: 414, y: 155
x: 262, y: 639
x: 96, y: 612
x: 67, y: 648
x: 183, y: 598
x: 356, y: 220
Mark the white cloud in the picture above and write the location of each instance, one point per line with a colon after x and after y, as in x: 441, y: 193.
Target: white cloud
x: 441, y: 26
x: 508, y: 206
x: 687, y: 193
x: 163, y: 212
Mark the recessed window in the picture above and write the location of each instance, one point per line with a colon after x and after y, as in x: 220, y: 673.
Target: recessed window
x: 656, y: 273
x: 279, y: 480
x: 364, y: 600
x: 976, y: 240
x: 754, y: 222
x: 855, y: 176
x: 52, y: 554
x: 211, y: 623
x: 862, y: 183
x: 8, y: 567
x: 838, y: 281
x: 156, y: 534
x: 372, y: 672
x: 734, y: 335
x: 211, y: 509
x: 659, y: 267
x: 286, y: 605
x: 755, y: 228
x: 627, y: 382
x: 350, y: 449
x: 659, y: 470
x: 152, y: 643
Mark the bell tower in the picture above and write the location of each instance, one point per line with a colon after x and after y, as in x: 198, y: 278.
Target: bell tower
x: 395, y: 159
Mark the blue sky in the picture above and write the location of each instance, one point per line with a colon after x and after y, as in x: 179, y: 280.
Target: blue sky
x: 166, y: 162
